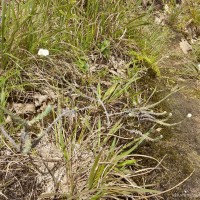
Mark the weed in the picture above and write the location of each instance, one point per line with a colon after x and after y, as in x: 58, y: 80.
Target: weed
x: 94, y: 145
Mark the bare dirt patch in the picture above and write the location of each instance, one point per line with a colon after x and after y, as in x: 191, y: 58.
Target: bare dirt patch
x: 181, y: 144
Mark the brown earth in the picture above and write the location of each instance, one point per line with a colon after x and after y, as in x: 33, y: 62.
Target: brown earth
x: 180, y: 146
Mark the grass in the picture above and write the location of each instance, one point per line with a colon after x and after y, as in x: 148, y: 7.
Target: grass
x: 185, y: 20
x: 101, y: 55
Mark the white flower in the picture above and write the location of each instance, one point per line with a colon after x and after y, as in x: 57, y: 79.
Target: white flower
x: 198, y: 66
x: 167, y: 9
x: 189, y: 115
x: 43, y: 52
x: 170, y: 114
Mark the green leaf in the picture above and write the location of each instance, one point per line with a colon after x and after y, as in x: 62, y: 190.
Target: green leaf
x: 126, y: 163
x: 113, y: 130
x: 93, y: 171
x: 121, y: 89
x: 109, y: 91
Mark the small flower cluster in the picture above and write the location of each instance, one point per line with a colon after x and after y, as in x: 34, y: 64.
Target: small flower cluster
x: 189, y: 115
x: 43, y: 52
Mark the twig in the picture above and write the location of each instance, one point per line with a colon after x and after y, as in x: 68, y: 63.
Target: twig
x: 41, y: 135
x: 15, y: 118
x: 105, y: 110
x: 50, y: 172
x: 1, y: 194
x: 9, y: 139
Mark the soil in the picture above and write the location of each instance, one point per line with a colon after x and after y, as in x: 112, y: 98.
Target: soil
x: 180, y: 146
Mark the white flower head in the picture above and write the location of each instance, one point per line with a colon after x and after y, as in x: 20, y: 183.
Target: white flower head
x: 43, y: 52
x: 170, y: 114
x: 189, y: 115
x: 198, y: 67
x: 167, y: 9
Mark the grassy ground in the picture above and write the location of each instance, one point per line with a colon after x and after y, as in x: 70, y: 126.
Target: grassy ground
x: 72, y: 122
